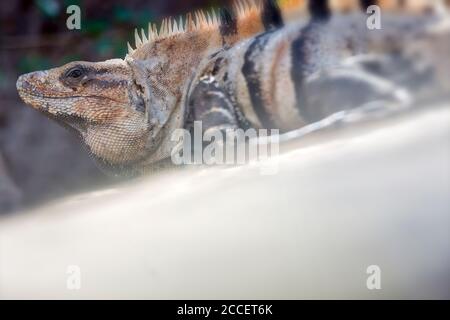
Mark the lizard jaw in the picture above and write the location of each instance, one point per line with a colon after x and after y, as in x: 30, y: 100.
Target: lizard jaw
x: 44, y: 104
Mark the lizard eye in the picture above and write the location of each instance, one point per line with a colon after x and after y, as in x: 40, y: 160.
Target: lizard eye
x: 74, y: 73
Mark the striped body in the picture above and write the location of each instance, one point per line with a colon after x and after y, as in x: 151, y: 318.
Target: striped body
x: 273, y: 64
x: 263, y: 81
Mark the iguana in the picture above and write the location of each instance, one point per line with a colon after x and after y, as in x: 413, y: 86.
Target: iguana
x: 244, y: 67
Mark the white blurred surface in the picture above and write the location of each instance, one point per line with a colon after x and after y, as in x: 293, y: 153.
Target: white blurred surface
x: 377, y: 196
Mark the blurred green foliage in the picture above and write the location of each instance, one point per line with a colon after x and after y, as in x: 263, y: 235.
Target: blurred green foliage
x: 107, y: 47
x: 32, y: 62
x: 70, y: 2
x: 50, y: 8
x: 122, y: 14
x: 104, y: 31
x: 94, y: 27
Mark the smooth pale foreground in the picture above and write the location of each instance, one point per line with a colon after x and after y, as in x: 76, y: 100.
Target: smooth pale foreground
x: 369, y: 196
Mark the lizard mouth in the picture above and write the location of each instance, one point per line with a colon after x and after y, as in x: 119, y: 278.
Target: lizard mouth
x: 29, y: 92
x: 44, y: 104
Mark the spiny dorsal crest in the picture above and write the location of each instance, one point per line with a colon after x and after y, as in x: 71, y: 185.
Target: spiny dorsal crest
x: 248, y: 12
x: 193, y: 22
x: 245, y: 8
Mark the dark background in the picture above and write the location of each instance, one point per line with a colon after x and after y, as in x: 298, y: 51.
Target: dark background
x: 40, y: 160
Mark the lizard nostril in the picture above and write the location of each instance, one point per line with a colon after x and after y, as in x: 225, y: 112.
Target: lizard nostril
x: 21, y: 82
x: 26, y: 81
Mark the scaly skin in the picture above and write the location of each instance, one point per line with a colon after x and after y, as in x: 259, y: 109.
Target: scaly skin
x: 125, y: 110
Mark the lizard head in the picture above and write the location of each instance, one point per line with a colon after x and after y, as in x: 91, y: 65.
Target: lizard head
x: 100, y: 101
